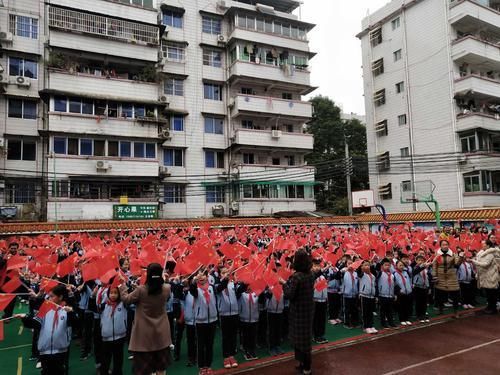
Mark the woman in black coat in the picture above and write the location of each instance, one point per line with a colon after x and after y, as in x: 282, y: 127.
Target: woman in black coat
x: 299, y: 290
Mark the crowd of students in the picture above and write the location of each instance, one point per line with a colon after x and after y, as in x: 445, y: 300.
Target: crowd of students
x: 242, y: 288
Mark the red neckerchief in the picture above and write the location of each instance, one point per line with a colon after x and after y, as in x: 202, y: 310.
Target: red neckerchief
x: 55, y: 322
x: 206, y: 293
x: 113, y: 306
x: 402, y: 278
x: 466, y: 271
x: 389, y: 279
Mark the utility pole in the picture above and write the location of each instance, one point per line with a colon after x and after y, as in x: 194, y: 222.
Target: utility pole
x: 348, y: 173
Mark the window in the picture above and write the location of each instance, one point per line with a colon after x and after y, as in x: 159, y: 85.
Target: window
x: 397, y: 55
x: 376, y: 37
x: 172, y: 18
x: 286, y: 96
x: 215, y: 194
x: 60, y: 104
x: 212, y: 58
x: 143, y: 3
x: 247, y: 91
x: 23, y: 67
x: 276, y: 161
x: 381, y: 128
x: 248, y: 159
x: 174, y: 53
x: 288, y: 128
x: 25, y: 109
x: 395, y: 23
x: 211, y: 25
x: 212, y: 91
x: 379, y: 98
x: 99, y: 148
x: 174, y: 86
x: 472, y: 183
x: 214, y: 159
x: 402, y: 120
x: 18, y: 149
x: 125, y: 149
x: 150, y: 151
x: 127, y: 110
x: 400, y: 87
x: 378, y: 67
x: 214, y: 125
x: 383, y: 161
x: 247, y: 124
x: 290, y: 159
x: 144, y: 150
x: 177, y: 123
x: 20, y: 192
x: 113, y: 148
x: 23, y: 26
x: 405, y: 152
x: 385, y: 191
x: 60, y: 189
x: 175, y: 193
x: 60, y: 145
x: 173, y: 157
x: 406, y: 185
x: 468, y: 143
x: 86, y: 146
x: 72, y: 146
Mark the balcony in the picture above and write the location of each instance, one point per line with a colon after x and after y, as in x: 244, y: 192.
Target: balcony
x: 75, y: 30
x: 103, y: 88
x: 302, y: 173
x: 474, y: 51
x: 273, y: 139
x: 482, y: 87
x: 269, y: 39
x: 117, y: 9
x: 115, y: 167
x: 478, y: 120
x: 484, y: 161
x: 273, y: 75
x: 471, y: 15
x: 270, y: 107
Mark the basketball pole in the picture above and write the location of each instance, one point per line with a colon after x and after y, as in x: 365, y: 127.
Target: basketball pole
x: 348, y: 166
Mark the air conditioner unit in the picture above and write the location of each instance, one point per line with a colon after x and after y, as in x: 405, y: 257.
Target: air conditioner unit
x: 162, y: 99
x: 102, y: 165
x: 23, y: 81
x: 222, y: 4
x: 6, y: 36
x: 276, y: 133
x: 4, y: 79
x: 164, y: 134
x: 163, y: 171
x: 218, y: 211
x: 2, y: 142
x: 235, y: 206
x: 221, y: 39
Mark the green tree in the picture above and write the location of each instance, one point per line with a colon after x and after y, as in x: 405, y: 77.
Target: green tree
x: 330, y: 133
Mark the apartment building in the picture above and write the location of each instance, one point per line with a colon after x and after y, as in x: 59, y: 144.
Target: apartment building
x: 431, y: 72
x: 190, y: 106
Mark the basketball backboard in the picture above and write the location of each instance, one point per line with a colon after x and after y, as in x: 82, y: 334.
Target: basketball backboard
x: 363, y: 198
x: 419, y: 191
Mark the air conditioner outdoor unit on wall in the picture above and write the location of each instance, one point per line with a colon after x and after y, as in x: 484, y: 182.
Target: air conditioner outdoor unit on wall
x: 6, y: 36
x: 102, y: 165
x: 276, y: 133
x: 23, y: 81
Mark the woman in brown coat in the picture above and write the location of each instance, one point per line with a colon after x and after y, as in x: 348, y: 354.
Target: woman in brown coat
x: 150, y: 340
x: 299, y: 289
x: 445, y: 276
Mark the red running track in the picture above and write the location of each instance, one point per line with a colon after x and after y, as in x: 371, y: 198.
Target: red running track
x: 466, y: 346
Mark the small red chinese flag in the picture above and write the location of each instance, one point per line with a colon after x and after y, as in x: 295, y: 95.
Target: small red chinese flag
x: 16, y: 261
x: 47, y: 285
x: 5, y: 300
x: 67, y: 266
x: 90, y: 272
x: 321, y: 285
x: 12, y: 285
x: 45, y: 308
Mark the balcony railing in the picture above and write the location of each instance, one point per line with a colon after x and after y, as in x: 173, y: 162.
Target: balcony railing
x: 87, y: 23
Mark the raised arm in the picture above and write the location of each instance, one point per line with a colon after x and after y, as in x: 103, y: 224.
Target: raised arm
x: 129, y: 298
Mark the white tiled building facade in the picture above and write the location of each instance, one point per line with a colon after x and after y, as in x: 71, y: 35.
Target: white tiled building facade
x: 431, y: 73
x: 191, y: 105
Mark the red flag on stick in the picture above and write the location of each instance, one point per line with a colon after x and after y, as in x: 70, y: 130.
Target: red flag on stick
x: 321, y: 285
x: 5, y: 300
x: 12, y: 285
x: 45, y: 308
x: 47, y: 285
x: 90, y: 271
x: 67, y: 265
x: 16, y: 261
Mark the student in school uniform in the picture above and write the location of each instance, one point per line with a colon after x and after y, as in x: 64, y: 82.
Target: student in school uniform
x: 421, y: 286
x: 205, y: 307
x: 228, y: 307
x: 350, y: 295
x: 275, y: 309
x: 385, y: 292
x: 465, y: 274
x: 113, y: 319
x: 249, y: 319
x: 188, y: 309
x: 98, y: 296
x: 403, y: 292
x: 83, y: 293
x: 334, y: 297
x: 55, y: 332
x: 320, y: 298
x: 367, y: 293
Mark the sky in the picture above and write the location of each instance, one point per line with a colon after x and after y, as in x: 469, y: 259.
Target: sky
x: 336, y: 69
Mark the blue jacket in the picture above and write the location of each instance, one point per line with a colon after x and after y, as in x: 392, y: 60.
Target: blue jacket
x: 350, y: 284
x: 368, y: 285
x: 227, y: 303
x: 420, y: 277
x: 403, y: 283
x: 205, y: 312
x: 465, y: 273
x: 273, y: 305
x: 333, y: 276
x: 385, y: 285
x: 113, y: 327
x: 249, y: 307
x: 189, y: 309
x: 320, y: 296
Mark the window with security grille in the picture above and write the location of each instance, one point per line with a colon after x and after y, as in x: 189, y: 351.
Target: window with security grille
x: 212, y: 58
x: 215, y: 193
x: 23, y: 26
x: 20, y: 192
x: 212, y: 25
x: 175, y: 194
x: 174, y: 53
x: 174, y: 86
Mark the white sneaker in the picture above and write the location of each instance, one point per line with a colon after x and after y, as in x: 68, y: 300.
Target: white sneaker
x: 422, y: 321
x: 339, y: 321
x: 367, y: 330
x: 38, y: 365
x: 447, y: 304
x: 374, y: 330
x: 408, y: 323
x: 427, y: 320
x: 471, y: 307
x: 333, y: 321
x: 403, y: 323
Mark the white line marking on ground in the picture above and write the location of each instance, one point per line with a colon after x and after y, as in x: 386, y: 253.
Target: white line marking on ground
x: 21, y: 328
x: 14, y: 347
x: 402, y: 370
x: 19, y: 365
